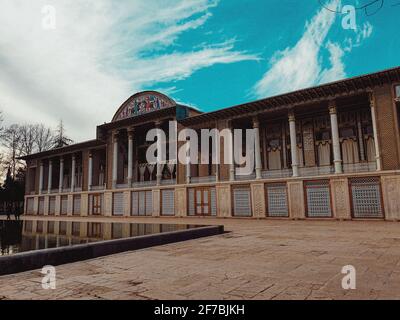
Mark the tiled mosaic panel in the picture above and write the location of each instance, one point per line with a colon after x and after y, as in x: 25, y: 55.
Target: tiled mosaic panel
x: 118, y: 204
x: 242, y: 202
x: 277, y: 200
x: 366, y: 197
x: 168, y: 202
x: 318, y: 199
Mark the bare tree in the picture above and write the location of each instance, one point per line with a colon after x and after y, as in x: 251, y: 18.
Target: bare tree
x: 11, y: 139
x: 61, y: 140
x: 44, y: 138
x: 28, y: 142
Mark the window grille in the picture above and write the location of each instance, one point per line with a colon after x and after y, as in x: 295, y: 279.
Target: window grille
x: 366, y: 197
x: 118, y: 204
x: 168, y: 202
x: 242, y: 202
x: 318, y: 199
x: 277, y: 200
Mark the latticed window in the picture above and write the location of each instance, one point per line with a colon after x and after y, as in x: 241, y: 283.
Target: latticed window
x: 277, y: 200
x: 77, y: 205
x: 142, y: 203
x: 64, y: 205
x: 52, y: 206
x: 168, y: 202
x: 30, y: 205
x: 366, y: 197
x: 118, y: 204
x: 242, y: 201
x: 41, y: 206
x: 318, y: 199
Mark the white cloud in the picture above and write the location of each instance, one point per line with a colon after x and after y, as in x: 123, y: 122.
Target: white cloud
x: 298, y: 67
x: 303, y: 65
x: 336, y: 71
x: 360, y: 35
x: 100, y: 53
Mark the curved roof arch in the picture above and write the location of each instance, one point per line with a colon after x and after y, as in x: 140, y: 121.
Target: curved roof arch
x: 141, y: 103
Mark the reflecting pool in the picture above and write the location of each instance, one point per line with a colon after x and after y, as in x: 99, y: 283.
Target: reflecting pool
x: 29, y: 235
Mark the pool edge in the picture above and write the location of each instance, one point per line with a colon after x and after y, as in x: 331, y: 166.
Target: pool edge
x: 33, y: 260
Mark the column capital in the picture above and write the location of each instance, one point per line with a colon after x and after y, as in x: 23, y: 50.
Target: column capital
x: 115, y: 135
x: 256, y: 122
x: 61, y: 159
x: 131, y: 132
x: 332, y: 107
x: 291, y: 116
x: 371, y: 98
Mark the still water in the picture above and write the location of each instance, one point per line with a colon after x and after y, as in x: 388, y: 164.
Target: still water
x: 23, y: 236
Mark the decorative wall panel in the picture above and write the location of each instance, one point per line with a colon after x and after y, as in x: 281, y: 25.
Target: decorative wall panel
x: 242, y: 202
x: 168, y: 202
x: 366, y: 197
x: 318, y: 199
x: 277, y: 200
x: 118, y: 204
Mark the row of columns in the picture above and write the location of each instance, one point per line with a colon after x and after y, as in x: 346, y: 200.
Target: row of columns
x: 258, y: 161
x: 61, y: 178
x: 337, y: 159
x: 131, y: 134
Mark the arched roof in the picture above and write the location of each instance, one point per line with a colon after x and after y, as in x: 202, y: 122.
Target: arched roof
x: 141, y: 103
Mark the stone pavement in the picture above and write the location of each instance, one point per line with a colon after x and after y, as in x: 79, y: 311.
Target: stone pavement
x: 262, y: 259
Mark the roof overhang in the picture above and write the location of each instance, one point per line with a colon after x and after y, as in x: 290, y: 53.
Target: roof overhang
x: 65, y: 150
x: 343, y: 88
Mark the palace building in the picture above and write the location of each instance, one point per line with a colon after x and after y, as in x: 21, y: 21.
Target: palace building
x: 331, y: 151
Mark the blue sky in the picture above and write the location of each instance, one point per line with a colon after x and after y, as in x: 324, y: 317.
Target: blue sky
x: 209, y: 54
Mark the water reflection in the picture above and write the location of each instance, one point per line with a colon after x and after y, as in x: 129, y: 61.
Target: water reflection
x: 22, y: 236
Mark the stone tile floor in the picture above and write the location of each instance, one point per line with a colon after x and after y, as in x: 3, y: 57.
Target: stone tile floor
x: 258, y: 259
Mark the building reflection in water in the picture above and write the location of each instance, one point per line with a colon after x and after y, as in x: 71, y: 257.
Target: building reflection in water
x: 19, y: 236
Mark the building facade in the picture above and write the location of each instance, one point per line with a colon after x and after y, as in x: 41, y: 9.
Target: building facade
x: 331, y: 152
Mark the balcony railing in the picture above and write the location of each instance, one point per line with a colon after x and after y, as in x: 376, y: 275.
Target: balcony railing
x: 316, y: 171
x: 245, y: 177
x: 98, y: 188
x: 360, y: 167
x: 207, y: 179
x: 143, y: 184
x: 270, y: 174
x: 168, y: 182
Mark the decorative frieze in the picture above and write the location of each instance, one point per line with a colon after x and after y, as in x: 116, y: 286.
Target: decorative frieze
x: 296, y: 200
x: 258, y: 200
x: 224, y: 202
x: 181, y: 202
x: 391, y: 197
x: 341, y: 199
